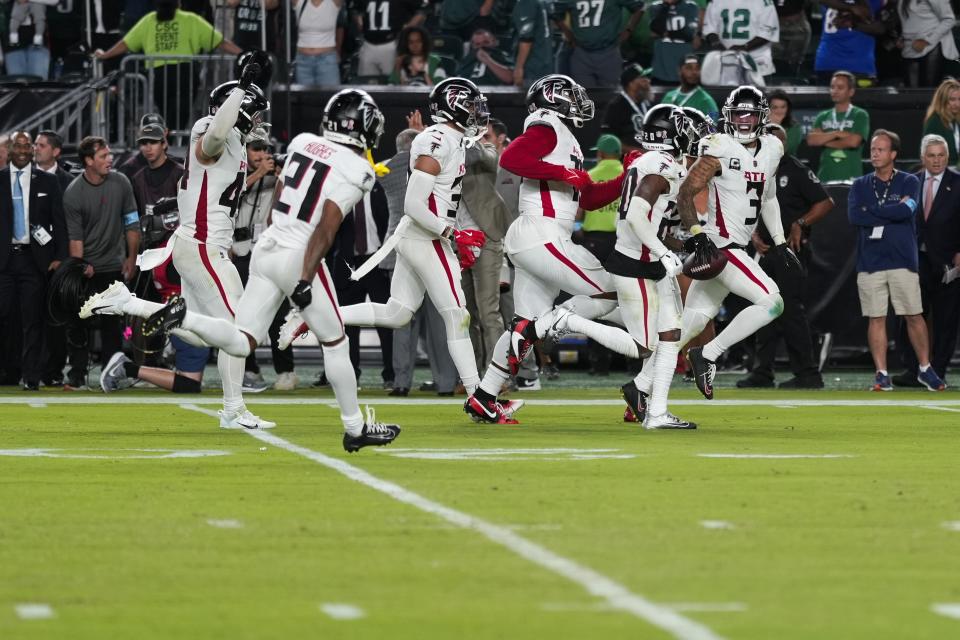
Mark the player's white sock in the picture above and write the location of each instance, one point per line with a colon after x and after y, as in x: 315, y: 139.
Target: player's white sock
x: 496, y: 373
x: 613, y: 338
x: 744, y: 325
x: 141, y: 308
x: 664, y: 364
x: 231, y: 374
x: 644, y: 379
x: 589, y: 308
x: 358, y: 315
x: 343, y: 381
x: 461, y: 352
x: 217, y: 332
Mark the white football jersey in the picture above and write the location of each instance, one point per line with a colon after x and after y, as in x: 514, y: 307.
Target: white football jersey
x: 445, y: 145
x: 552, y: 198
x: 737, y: 22
x: 747, y: 178
x: 316, y: 170
x: 209, y: 194
x: 650, y: 163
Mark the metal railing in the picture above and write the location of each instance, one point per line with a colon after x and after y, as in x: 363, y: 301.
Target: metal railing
x: 82, y: 111
x: 174, y: 86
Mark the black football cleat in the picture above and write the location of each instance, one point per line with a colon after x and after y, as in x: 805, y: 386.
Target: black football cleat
x: 703, y: 371
x: 491, y: 411
x: 376, y: 434
x: 166, y: 319
x: 636, y: 401
x: 523, y: 333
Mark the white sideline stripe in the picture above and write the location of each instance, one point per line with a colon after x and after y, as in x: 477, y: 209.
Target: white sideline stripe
x: 225, y: 524
x: 342, y: 611
x: 936, y: 408
x: 717, y: 524
x: 953, y: 525
x: 775, y: 456
x: 595, y: 583
x: 38, y: 405
x: 948, y: 609
x: 34, y: 611
x: 695, y: 607
x: 330, y: 402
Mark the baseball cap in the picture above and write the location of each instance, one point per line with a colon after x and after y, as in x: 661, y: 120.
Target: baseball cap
x: 608, y: 143
x: 150, y: 132
x: 153, y: 118
x: 690, y: 58
x: 632, y: 72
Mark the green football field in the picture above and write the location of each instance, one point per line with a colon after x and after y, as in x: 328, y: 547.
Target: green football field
x: 830, y: 514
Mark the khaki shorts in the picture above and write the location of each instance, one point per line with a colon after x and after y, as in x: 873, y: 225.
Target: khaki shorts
x: 899, y: 286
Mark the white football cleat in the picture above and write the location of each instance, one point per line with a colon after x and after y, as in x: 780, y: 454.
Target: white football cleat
x: 667, y: 421
x: 510, y: 407
x: 559, y: 327
x: 110, y: 301
x: 243, y: 419
x: 293, y: 327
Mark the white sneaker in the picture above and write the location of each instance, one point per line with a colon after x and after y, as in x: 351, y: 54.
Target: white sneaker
x: 293, y: 327
x: 667, y: 421
x: 243, y: 419
x: 253, y: 383
x: 286, y: 381
x: 14, y: 38
x: 113, y: 377
x: 559, y: 327
x: 109, y: 302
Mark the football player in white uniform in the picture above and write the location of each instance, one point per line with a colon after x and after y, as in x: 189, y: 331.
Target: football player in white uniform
x: 209, y: 193
x: 644, y: 270
x: 740, y: 167
x: 548, y: 158
x: 426, y: 240
x: 323, y: 178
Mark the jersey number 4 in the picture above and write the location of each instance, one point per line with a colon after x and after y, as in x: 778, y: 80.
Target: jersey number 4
x: 310, y: 199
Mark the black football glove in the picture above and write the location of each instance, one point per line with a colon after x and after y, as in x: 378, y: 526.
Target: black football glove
x: 788, y: 257
x: 249, y: 75
x: 302, y: 295
x: 699, y: 243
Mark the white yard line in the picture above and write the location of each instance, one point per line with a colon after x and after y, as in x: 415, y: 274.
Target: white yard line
x: 34, y: 611
x: 936, y: 408
x: 948, y: 609
x: 342, y: 611
x: 38, y: 405
x: 953, y: 525
x: 717, y: 524
x: 225, y: 523
x: 593, y: 582
x: 170, y: 399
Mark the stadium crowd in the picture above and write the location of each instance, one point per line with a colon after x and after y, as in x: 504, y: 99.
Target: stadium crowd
x: 102, y: 216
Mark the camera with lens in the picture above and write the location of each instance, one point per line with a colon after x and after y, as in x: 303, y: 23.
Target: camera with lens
x: 159, y: 221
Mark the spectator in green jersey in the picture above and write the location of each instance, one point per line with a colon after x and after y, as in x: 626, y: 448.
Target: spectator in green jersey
x: 534, y: 47
x: 485, y: 64
x: 595, y: 32
x: 690, y: 93
x: 840, y: 131
x: 673, y: 26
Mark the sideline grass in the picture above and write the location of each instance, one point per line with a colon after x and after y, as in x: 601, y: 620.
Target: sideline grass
x: 821, y: 548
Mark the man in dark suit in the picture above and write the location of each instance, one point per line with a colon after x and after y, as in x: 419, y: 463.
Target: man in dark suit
x: 33, y: 240
x: 360, y: 235
x: 938, y: 231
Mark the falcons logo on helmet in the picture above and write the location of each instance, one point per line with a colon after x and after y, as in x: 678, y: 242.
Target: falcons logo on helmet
x: 548, y: 92
x: 454, y: 96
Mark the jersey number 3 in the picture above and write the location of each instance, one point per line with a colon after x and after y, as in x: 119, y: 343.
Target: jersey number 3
x: 309, y: 200
x: 755, y: 203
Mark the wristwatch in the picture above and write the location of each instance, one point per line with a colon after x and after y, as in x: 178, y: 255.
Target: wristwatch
x: 802, y: 223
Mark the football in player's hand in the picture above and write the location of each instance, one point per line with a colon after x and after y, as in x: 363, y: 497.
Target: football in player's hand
x: 704, y: 263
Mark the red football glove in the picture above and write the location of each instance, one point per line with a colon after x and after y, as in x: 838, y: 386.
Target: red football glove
x: 469, y: 238
x: 577, y: 179
x: 630, y: 157
x: 467, y: 256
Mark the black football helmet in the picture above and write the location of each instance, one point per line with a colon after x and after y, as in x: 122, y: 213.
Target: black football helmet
x: 562, y: 95
x: 662, y: 129
x: 458, y: 100
x: 697, y: 125
x: 745, y: 113
x: 253, y: 105
x: 259, y: 57
x: 351, y: 117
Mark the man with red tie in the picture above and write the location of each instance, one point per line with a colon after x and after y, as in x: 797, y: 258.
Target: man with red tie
x: 938, y: 235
